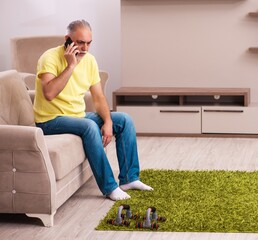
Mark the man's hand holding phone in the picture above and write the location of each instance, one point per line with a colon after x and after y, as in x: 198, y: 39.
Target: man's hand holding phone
x: 70, y: 52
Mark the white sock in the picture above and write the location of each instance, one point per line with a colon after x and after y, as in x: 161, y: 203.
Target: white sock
x: 135, y: 185
x: 118, y: 194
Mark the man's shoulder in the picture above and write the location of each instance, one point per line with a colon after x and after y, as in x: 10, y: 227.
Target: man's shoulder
x: 55, y: 50
x: 52, y: 53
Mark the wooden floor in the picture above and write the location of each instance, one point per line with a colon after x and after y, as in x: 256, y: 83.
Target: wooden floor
x: 78, y: 217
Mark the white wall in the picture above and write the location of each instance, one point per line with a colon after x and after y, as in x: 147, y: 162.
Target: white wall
x: 166, y: 43
x: 189, y: 43
x: 50, y: 17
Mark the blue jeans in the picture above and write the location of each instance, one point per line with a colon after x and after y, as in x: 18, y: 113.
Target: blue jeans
x: 88, y: 128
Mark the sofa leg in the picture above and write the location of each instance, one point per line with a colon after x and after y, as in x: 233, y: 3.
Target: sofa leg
x: 47, y: 219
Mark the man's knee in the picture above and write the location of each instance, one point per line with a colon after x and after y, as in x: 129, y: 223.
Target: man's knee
x: 122, y: 120
x: 121, y: 117
x: 90, y: 125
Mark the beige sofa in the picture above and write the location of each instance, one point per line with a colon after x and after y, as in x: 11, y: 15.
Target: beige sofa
x: 37, y: 173
x: 25, y: 52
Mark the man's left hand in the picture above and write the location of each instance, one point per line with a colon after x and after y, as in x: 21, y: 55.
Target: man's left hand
x: 106, y: 132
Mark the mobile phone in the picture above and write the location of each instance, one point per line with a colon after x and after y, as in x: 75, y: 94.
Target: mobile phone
x: 68, y: 42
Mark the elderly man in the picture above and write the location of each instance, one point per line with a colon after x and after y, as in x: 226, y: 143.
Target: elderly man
x: 64, y: 74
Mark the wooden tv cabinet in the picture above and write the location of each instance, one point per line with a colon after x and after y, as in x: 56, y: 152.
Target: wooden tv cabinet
x: 189, y: 111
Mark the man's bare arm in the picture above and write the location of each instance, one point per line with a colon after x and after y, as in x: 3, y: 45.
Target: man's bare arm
x: 102, y: 108
x: 52, y: 85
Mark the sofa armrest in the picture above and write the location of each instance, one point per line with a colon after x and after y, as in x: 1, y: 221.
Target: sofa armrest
x: 88, y: 98
x: 32, y: 95
x: 27, y: 179
x: 88, y: 102
x: 29, y: 80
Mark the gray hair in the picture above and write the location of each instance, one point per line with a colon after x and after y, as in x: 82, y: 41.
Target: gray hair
x: 76, y: 24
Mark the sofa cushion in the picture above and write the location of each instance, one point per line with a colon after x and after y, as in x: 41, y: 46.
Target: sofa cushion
x: 66, y: 153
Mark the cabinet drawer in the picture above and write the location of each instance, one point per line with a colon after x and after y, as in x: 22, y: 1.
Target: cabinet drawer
x: 156, y: 119
x: 230, y: 120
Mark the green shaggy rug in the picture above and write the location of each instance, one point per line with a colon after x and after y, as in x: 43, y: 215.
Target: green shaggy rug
x: 193, y: 201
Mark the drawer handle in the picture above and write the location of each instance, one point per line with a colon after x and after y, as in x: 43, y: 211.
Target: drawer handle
x: 232, y: 111
x: 179, y: 111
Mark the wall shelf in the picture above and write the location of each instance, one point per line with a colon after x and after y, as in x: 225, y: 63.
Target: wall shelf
x: 253, y: 14
x: 253, y: 49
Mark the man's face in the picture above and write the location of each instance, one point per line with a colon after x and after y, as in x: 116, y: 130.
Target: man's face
x: 82, y: 38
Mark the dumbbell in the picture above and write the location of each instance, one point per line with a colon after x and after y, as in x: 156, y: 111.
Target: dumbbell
x: 147, y: 223
x: 119, y: 218
x: 117, y: 223
x: 154, y: 216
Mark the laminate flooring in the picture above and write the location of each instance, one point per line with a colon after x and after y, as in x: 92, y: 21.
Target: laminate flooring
x: 77, y: 218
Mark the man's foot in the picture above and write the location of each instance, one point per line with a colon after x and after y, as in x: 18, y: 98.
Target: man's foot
x: 118, y: 194
x: 136, y: 185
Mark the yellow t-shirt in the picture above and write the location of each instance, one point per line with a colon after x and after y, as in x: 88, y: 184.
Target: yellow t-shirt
x: 69, y: 102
